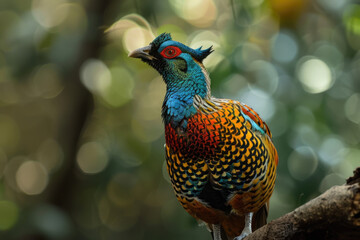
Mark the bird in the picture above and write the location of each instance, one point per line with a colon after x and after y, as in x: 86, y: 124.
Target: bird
x: 219, y: 152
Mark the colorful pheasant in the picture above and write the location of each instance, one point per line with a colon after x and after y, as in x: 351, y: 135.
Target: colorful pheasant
x: 220, y: 157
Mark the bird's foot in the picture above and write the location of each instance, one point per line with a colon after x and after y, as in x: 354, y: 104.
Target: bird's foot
x: 242, y: 235
x: 247, y: 229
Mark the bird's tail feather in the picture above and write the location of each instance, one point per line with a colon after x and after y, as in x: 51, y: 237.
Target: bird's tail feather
x: 260, y: 217
x: 223, y: 234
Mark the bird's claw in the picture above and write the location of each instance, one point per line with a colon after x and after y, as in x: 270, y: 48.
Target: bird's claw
x: 242, y: 236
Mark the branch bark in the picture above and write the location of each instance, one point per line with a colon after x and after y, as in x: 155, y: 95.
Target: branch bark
x: 333, y: 215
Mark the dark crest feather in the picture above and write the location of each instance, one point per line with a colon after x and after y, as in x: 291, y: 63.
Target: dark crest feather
x: 160, y: 39
x: 200, y: 55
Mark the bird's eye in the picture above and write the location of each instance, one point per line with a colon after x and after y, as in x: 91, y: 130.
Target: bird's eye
x: 170, y: 52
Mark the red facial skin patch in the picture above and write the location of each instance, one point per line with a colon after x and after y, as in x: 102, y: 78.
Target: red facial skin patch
x: 170, y: 52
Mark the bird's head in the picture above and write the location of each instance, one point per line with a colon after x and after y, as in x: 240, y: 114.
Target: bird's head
x: 180, y: 66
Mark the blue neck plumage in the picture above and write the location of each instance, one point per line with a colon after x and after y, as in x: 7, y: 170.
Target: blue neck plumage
x: 178, y: 103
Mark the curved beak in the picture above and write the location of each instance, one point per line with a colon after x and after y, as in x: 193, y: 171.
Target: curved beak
x: 143, y: 53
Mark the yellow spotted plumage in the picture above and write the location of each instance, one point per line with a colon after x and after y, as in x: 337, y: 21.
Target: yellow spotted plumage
x: 242, y: 163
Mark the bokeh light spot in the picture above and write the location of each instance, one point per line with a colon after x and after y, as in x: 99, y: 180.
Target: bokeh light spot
x: 9, y: 214
x: 200, y: 13
x: 352, y: 108
x: 76, y: 19
x: 284, y: 48
x: 352, y: 156
x: 48, y: 12
x: 266, y: 77
x: 314, y: 75
x: 120, y: 89
x: 259, y: 100
x: 60, y: 225
x: 246, y: 54
x: 304, y: 134
x: 332, y: 150
x: 302, y: 163
x: 133, y: 29
x: 331, y: 180
x: 136, y: 37
x: 95, y: 75
x: 92, y: 158
x: 32, y: 177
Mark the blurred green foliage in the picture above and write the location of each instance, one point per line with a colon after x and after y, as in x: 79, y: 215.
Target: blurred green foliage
x: 75, y: 165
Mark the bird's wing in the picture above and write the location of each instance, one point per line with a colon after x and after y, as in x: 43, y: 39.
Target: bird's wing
x: 223, y: 163
x: 251, y: 114
x: 244, y: 165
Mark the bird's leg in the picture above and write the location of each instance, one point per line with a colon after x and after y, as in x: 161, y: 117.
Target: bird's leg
x: 216, y: 231
x: 247, y: 229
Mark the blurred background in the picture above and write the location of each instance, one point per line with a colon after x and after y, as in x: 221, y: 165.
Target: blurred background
x: 81, y: 137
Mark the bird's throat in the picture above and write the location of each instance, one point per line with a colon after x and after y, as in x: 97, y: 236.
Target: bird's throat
x: 178, y: 104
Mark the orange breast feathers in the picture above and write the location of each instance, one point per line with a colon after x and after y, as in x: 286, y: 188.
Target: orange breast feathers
x: 200, y: 138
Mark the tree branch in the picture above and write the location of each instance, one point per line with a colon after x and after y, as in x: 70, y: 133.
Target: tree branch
x: 333, y: 215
